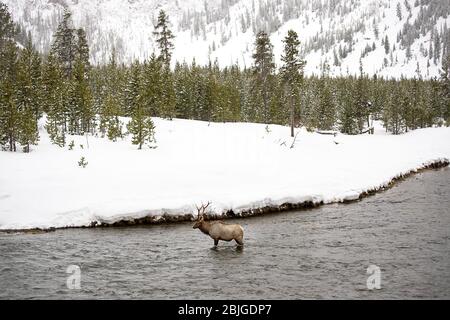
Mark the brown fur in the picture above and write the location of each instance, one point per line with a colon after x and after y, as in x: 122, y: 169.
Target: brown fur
x: 219, y: 230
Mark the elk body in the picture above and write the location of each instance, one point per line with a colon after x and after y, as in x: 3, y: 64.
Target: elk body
x: 219, y: 230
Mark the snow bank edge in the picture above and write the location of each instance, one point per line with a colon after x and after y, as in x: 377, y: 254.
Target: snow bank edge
x: 253, y: 209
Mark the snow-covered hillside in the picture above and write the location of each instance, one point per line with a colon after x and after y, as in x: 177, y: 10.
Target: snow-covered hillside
x: 334, y: 32
x: 237, y: 166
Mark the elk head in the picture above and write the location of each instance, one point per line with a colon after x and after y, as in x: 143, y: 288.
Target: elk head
x: 200, y: 213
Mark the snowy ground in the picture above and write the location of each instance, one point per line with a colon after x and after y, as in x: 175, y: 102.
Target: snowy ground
x: 235, y: 166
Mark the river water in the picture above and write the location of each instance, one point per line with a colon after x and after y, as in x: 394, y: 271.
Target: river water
x: 310, y: 254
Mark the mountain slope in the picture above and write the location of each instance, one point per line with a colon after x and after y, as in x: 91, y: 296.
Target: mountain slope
x: 337, y: 33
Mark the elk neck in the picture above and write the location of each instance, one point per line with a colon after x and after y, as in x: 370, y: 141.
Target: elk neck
x: 204, y: 227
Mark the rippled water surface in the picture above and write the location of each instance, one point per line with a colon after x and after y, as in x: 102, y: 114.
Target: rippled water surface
x: 318, y: 253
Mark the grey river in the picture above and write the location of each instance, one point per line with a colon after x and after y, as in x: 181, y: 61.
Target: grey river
x: 309, y: 254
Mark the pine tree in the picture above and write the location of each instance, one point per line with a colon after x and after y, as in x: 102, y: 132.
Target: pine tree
x: 182, y: 91
x: 82, y: 99
x: 168, y: 101
x: 164, y: 38
x: 437, y: 48
x: 9, y: 116
x: 292, y: 72
x: 280, y: 98
x: 141, y: 125
x: 81, y: 93
x: 392, y: 112
x: 9, y: 111
x: 28, y: 96
x: 54, y: 89
x: 377, y: 96
x: 362, y: 111
x: 7, y: 27
x: 153, y: 86
x: 234, y: 85
x: 346, y: 117
x: 386, y: 45
x: 159, y: 93
x: 445, y: 88
x: 325, y: 110
x: 82, y: 49
x: 399, y: 11
x: 64, y: 46
x: 28, y: 135
x: 110, y: 109
x: 213, y: 104
x: 407, y: 113
x: 436, y: 103
x: 263, y: 69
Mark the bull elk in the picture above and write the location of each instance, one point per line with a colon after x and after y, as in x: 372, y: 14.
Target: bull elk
x: 218, y: 230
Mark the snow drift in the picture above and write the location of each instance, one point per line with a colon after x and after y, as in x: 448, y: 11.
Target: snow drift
x: 239, y: 167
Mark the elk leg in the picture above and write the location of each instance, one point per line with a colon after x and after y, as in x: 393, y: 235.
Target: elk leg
x: 216, y: 242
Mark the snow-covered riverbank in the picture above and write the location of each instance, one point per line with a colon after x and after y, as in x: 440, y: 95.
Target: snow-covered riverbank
x: 236, y: 166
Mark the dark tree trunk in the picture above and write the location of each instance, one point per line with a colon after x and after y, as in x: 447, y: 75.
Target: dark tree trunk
x: 292, y: 114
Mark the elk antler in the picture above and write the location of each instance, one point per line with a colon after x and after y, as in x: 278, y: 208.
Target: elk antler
x: 207, y: 205
x: 198, y: 211
x: 202, y: 209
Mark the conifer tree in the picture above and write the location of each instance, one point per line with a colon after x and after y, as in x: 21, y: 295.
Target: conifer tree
x: 292, y: 72
x: 153, y: 87
x: 263, y: 69
x: 436, y: 103
x: 182, y: 91
x: 445, y: 88
x: 362, y: 105
x: 64, y: 46
x: 110, y: 111
x: 392, y: 113
x: 214, y: 102
x: 399, y: 11
x: 82, y: 49
x: 28, y: 135
x: 404, y: 100
x: 9, y: 111
x: 82, y: 98
x: 81, y: 91
x: 7, y: 27
x: 387, y: 46
x: 141, y: 125
x: 168, y: 102
x: 325, y: 111
x: 164, y: 38
x: 28, y: 95
x: 280, y: 98
x: 54, y: 89
x: 347, y: 121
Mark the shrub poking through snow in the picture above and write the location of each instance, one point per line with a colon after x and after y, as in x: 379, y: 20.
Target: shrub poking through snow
x: 82, y: 163
x: 71, y: 145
